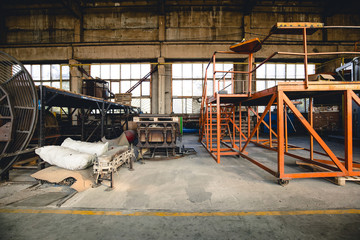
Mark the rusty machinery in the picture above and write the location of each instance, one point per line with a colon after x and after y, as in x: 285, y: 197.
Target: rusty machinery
x: 222, y: 113
x: 158, y: 132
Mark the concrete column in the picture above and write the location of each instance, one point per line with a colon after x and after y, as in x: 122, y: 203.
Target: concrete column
x: 75, y: 78
x: 247, y: 24
x: 154, y: 92
x: 161, y: 86
x: 78, y: 30
x: 168, y: 88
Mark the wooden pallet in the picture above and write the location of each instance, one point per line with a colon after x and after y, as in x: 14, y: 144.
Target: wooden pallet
x: 337, y: 180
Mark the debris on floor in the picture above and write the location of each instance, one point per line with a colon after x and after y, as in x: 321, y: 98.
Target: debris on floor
x: 84, y: 178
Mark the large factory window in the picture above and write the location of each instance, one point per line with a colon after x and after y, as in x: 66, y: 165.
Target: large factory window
x: 187, y: 80
x: 269, y: 74
x: 122, y: 77
x: 49, y: 75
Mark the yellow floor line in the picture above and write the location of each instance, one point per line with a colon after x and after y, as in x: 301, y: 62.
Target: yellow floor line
x: 180, y: 214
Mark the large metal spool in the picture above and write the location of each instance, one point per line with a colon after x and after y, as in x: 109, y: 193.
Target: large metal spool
x: 18, y: 110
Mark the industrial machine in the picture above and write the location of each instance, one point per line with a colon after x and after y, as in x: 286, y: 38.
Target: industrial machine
x: 158, y: 132
x: 18, y: 111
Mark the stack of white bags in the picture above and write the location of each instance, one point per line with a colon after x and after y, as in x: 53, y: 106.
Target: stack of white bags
x: 72, y: 155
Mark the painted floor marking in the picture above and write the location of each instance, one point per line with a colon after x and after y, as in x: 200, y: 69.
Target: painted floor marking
x: 180, y: 214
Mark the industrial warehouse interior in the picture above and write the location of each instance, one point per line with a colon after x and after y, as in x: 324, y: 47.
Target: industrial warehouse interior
x: 169, y: 119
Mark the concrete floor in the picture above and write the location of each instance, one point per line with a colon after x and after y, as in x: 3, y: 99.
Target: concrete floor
x: 167, y: 199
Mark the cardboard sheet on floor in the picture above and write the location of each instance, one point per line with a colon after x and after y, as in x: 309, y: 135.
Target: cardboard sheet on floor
x: 84, y: 178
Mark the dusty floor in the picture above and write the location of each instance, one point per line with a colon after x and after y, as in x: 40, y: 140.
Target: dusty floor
x: 187, y: 198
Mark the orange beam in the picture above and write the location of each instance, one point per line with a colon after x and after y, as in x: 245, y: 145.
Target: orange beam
x: 314, y: 134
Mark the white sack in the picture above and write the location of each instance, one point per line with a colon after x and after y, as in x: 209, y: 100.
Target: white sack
x: 65, y: 157
x: 91, y: 148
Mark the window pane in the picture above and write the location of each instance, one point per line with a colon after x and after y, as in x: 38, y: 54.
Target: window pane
x: 28, y: 68
x: 280, y: 71
x: 55, y: 84
x: 228, y: 67
x: 95, y: 71
x: 115, y: 71
x: 187, y: 88
x: 135, y: 102
x: 46, y: 83
x: 188, y: 105
x: 36, y: 72
x: 136, y: 91
x: 177, y: 88
x: 125, y: 71
x: 187, y: 70
x: 209, y: 71
x: 124, y: 85
x: 270, y: 84
x: 115, y: 88
x: 176, y: 71
x: 146, y: 105
x: 300, y: 71
x: 65, y: 72
x: 270, y: 70
x: 55, y: 71
x: 45, y: 72
x: 311, y: 69
x: 197, y: 71
x: 105, y: 71
x: 260, y: 72
x: 135, y: 71
x: 145, y: 88
x: 145, y: 69
x: 209, y: 88
x: 177, y: 106
x: 290, y: 71
x: 260, y: 85
x: 197, y: 88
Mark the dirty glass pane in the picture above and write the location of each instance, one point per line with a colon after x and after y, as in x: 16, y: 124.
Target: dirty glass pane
x: 196, y: 105
x: 260, y: 85
x: 270, y: 84
x: 105, y: 71
x: 46, y: 83
x: 270, y: 70
x: 197, y: 71
x: 187, y: 70
x: 177, y: 88
x: 188, y: 105
x: 115, y: 71
x: 300, y: 71
x: 65, y: 72
x: 209, y: 89
x: 197, y: 88
x: 187, y: 88
x: 146, y: 105
x: 311, y: 69
x: 125, y: 71
x: 45, y: 72
x: 35, y: 72
x: 145, y: 88
x: 115, y: 87
x: 145, y: 69
x: 290, y: 71
x: 55, y: 71
x: 28, y: 68
x: 176, y: 71
x: 55, y: 84
x: 177, y: 105
x: 135, y: 102
x: 135, y: 71
x: 94, y: 71
x: 124, y: 86
x: 280, y: 71
x: 136, y: 91
x: 260, y: 72
x: 228, y: 67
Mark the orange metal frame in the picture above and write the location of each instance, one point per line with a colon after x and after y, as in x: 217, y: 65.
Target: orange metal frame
x: 222, y: 135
